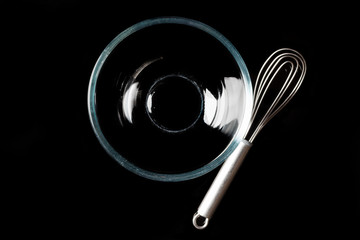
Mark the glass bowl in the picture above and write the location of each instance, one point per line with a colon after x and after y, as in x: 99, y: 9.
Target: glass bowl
x: 170, y: 98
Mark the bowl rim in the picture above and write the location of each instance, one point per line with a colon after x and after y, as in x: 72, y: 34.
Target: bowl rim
x: 168, y: 177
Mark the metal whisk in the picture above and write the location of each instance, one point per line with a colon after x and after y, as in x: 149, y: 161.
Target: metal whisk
x: 285, y: 68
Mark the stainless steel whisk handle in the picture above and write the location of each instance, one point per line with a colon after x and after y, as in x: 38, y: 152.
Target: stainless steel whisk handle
x: 220, y: 185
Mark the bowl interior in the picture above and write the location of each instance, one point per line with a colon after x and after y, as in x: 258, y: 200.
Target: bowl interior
x: 169, y: 98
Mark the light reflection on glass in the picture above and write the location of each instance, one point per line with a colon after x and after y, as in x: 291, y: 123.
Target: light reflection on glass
x: 222, y: 110
x: 225, y: 111
x: 131, y: 94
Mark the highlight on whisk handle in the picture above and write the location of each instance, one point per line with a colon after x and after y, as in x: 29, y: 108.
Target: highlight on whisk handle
x: 221, y: 183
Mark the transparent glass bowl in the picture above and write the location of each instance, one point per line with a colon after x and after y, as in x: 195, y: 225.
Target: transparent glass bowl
x: 170, y: 98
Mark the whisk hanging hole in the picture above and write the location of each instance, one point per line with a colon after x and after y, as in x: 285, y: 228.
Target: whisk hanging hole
x: 199, y: 221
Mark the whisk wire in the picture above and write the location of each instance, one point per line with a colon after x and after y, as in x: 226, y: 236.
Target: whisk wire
x: 268, y: 72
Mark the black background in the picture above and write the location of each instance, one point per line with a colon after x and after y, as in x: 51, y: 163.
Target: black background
x: 301, y: 177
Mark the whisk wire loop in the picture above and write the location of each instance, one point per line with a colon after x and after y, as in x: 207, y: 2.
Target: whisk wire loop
x: 281, y: 59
